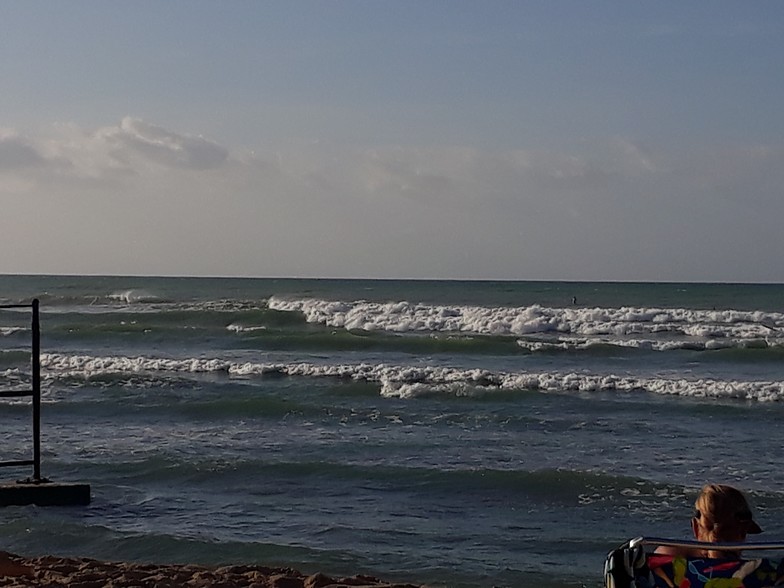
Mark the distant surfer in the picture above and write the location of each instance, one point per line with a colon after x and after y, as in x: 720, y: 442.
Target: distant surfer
x: 574, y: 300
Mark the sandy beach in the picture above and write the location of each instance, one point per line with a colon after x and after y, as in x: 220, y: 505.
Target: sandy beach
x: 16, y: 571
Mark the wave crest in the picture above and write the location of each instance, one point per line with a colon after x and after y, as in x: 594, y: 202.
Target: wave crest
x: 646, y: 328
x: 400, y: 381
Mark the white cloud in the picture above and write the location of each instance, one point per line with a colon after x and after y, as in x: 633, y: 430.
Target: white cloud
x: 163, y: 147
x: 16, y: 153
x: 136, y: 149
x: 133, y: 147
x: 137, y: 197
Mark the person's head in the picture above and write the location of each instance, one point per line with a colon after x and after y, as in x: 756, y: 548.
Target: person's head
x: 722, y: 515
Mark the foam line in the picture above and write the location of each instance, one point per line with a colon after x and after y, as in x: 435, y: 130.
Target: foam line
x: 644, y: 327
x: 402, y: 381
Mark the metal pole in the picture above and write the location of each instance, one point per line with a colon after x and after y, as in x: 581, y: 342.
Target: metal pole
x: 36, y: 369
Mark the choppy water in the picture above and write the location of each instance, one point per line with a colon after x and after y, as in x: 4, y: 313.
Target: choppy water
x: 478, y: 433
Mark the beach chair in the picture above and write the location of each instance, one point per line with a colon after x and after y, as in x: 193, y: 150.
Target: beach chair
x: 634, y: 565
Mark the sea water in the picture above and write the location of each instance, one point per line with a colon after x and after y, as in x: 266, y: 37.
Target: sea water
x: 455, y: 433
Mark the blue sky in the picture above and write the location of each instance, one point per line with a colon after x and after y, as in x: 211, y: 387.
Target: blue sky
x: 513, y: 140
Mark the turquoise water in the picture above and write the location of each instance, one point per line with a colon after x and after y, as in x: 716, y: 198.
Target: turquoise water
x: 456, y: 433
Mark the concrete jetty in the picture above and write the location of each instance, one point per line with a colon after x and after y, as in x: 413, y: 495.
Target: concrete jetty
x: 43, y: 493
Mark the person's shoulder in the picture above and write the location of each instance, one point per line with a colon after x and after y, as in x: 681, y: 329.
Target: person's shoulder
x: 675, y: 551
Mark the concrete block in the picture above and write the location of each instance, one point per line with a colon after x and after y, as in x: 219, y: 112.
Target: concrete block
x: 44, y: 494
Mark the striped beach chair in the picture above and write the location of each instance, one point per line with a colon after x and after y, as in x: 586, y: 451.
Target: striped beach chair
x: 634, y: 565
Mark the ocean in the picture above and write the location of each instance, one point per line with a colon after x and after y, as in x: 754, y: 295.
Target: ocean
x: 460, y: 434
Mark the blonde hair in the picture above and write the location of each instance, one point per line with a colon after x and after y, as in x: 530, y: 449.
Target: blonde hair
x: 723, y: 513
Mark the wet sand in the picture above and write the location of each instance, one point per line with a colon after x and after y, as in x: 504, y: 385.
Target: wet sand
x: 16, y: 571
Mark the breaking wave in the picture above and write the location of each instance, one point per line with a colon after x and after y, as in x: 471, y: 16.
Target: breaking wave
x: 401, y: 381
x: 541, y: 328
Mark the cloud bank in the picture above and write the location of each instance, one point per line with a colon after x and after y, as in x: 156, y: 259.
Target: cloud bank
x: 16, y: 153
x: 137, y: 197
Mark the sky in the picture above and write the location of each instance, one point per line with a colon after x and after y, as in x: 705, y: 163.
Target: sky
x: 443, y: 139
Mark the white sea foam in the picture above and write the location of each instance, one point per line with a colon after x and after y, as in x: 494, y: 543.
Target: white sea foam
x: 10, y: 374
x: 411, y: 381
x: 648, y: 328
x: 133, y: 296
x: 565, y: 343
x: 245, y: 329
x: 6, y: 331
